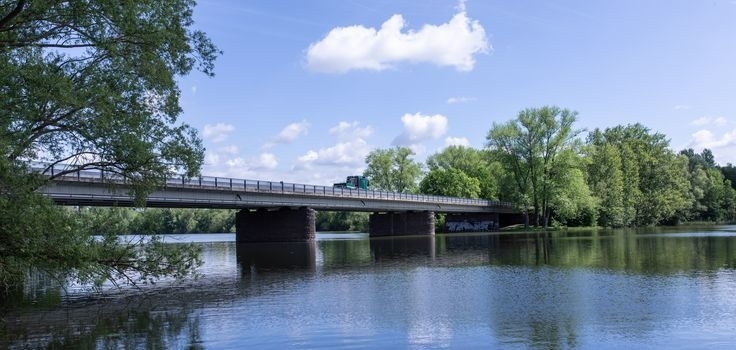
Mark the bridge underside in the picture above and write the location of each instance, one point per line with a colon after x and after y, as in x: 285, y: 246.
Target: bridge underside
x: 298, y: 224
x: 401, y: 224
x: 471, y: 222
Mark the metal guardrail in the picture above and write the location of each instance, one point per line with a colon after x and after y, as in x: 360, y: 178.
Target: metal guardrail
x: 262, y: 186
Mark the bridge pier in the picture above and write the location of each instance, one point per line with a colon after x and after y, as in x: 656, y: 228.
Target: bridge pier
x: 282, y: 225
x: 401, y: 223
x: 471, y: 222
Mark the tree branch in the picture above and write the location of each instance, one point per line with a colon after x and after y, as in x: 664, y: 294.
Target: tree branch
x: 14, y: 13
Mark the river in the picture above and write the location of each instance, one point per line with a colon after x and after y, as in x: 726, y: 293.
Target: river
x: 658, y: 289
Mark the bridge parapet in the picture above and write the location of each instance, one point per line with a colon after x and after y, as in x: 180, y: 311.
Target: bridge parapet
x: 231, y: 187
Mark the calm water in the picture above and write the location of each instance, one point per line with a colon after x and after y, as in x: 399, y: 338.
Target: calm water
x: 667, y: 290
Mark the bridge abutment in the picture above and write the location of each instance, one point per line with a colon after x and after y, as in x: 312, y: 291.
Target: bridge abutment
x: 471, y: 222
x: 401, y: 223
x: 282, y: 225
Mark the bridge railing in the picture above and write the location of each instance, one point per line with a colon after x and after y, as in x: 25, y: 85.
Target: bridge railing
x: 246, y: 185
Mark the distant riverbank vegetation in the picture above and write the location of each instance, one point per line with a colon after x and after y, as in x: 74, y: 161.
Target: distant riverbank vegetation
x: 161, y: 221
x: 623, y: 176
x: 116, y: 221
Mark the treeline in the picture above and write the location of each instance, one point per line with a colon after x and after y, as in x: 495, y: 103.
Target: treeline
x: 115, y: 221
x: 341, y: 221
x: 623, y: 176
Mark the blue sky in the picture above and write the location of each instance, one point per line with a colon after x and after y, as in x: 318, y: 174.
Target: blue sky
x: 305, y: 89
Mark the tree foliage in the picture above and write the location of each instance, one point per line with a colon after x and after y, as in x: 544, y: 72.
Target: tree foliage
x: 655, y: 184
x: 393, y: 169
x: 92, y: 84
x: 450, y: 182
x: 341, y: 221
x: 476, y: 164
x: 154, y: 221
x: 529, y: 147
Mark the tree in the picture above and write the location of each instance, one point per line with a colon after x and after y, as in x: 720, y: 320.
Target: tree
x: 450, y: 182
x: 529, y: 147
x: 474, y: 163
x: 655, y: 185
x: 393, y: 169
x: 711, y: 194
x: 92, y: 85
x: 606, y: 180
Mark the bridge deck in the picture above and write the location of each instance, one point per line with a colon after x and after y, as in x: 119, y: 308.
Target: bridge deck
x: 95, y: 188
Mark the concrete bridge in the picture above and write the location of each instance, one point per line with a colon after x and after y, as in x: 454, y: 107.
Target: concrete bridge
x: 280, y: 211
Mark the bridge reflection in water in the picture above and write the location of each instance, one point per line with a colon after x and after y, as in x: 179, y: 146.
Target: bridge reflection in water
x: 357, y: 251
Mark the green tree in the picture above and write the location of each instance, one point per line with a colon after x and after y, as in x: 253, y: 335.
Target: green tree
x: 450, y: 182
x: 474, y: 163
x: 92, y: 85
x: 393, y: 169
x: 529, y: 147
x: 711, y: 194
x: 656, y: 184
x: 606, y: 180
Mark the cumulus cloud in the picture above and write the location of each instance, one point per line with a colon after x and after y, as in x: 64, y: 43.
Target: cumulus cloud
x: 457, y: 141
x: 723, y: 145
x: 211, y: 159
x: 289, y: 133
x: 349, y: 151
x: 217, y: 132
x: 459, y: 99
x: 418, y: 128
x: 716, y: 121
x: 345, y: 130
x: 707, y: 139
x: 358, y: 47
x: 232, y: 149
x: 292, y: 131
x: 264, y: 161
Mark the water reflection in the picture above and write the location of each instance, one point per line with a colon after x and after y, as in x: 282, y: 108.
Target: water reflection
x: 385, y: 249
x: 263, y: 257
x: 543, y: 290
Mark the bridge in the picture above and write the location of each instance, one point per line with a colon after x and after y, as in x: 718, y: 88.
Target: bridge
x: 282, y: 211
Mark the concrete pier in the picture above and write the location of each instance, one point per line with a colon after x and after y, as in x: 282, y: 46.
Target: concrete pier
x: 401, y: 224
x: 282, y: 225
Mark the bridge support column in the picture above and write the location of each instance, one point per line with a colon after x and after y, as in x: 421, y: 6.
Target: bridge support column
x: 283, y: 225
x: 401, y: 224
x: 471, y: 222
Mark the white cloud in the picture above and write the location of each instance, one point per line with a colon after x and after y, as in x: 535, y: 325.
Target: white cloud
x: 418, y: 127
x: 716, y: 121
x: 723, y: 146
x: 460, y: 99
x: 217, y: 132
x: 457, y: 141
x: 288, y: 134
x: 345, y: 130
x: 211, y: 159
x: 358, y: 47
x: 349, y: 152
x: 292, y: 131
x: 265, y: 161
x: 232, y: 149
x: 706, y: 139
x: 681, y: 107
